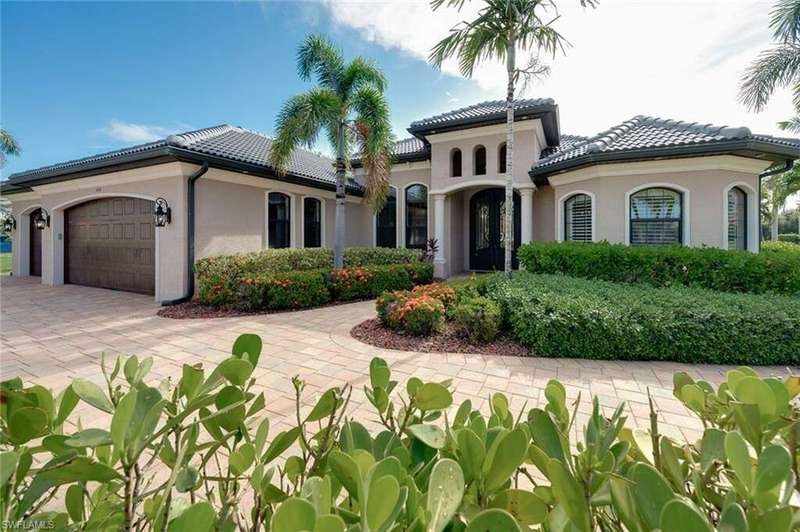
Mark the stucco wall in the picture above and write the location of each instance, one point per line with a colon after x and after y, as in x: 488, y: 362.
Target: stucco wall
x: 543, y: 214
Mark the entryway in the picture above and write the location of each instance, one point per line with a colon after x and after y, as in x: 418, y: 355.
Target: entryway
x: 486, y: 229
x: 35, y: 244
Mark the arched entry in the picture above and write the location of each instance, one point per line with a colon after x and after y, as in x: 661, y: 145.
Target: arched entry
x: 486, y: 228
x: 110, y: 243
x: 35, y: 244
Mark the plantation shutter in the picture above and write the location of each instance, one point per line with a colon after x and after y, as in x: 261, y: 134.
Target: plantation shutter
x: 578, y: 222
x: 737, y: 219
x: 655, y: 215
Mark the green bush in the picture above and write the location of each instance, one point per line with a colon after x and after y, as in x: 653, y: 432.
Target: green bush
x: 477, y: 319
x: 290, y: 290
x: 716, y: 269
x: 792, y: 238
x: 198, y: 454
x: 414, y: 313
x: 369, y: 282
x: 559, y: 316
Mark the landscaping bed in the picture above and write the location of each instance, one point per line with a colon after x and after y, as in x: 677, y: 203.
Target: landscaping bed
x: 194, y: 310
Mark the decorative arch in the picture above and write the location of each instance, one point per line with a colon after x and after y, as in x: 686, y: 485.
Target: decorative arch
x: 561, y: 213
x: 22, y: 234
x: 751, y: 218
x: 456, y: 160
x: 479, y: 160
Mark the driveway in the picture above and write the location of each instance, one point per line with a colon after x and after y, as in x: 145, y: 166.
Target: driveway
x: 50, y: 335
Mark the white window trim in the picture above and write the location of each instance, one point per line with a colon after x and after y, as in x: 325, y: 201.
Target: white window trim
x: 402, y: 214
x: 752, y: 215
x: 562, y: 201
x: 396, y: 221
x: 685, y: 209
x: 292, y: 217
x: 303, y: 219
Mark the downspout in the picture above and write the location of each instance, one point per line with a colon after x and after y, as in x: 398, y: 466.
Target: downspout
x: 189, y: 238
x: 788, y: 165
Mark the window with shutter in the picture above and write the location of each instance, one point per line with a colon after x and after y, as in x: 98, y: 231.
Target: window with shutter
x: 737, y: 219
x: 656, y: 217
x: 578, y: 218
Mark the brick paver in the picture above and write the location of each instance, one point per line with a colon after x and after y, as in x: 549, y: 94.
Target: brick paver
x: 50, y: 335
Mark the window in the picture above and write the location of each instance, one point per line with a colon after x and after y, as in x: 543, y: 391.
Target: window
x: 737, y: 219
x: 312, y: 223
x: 578, y: 218
x: 501, y: 159
x: 479, y: 158
x: 278, y: 217
x: 455, y: 163
x: 386, y: 222
x: 656, y: 216
x: 416, y: 216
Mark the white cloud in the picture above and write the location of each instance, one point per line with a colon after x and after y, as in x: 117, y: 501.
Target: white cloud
x: 130, y: 132
x: 678, y: 59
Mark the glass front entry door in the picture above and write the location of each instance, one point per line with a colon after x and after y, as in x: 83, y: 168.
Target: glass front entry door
x: 487, y: 238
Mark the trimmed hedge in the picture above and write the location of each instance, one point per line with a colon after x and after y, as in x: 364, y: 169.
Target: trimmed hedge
x: 775, y: 271
x: 792, y: 238
x: 559, y: 316
x: 284, y: 290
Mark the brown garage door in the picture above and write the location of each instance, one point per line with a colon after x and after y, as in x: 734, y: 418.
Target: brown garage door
x: 110, y: 243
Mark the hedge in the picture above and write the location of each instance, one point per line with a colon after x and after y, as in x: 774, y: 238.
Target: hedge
x: 775, y: 271
x: 558, y: 316
x: 792, y: 238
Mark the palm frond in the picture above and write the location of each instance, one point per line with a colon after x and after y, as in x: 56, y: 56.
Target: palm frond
x: 8, y: 144
x: 319, y: 57
x: 778, y: 66
x: 793, y: 124
x: 362, y: 72
x: 300, y: 121
x: 376, y: 142
x: 785, y: 21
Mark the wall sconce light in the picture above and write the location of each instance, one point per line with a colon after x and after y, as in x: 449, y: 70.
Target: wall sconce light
x: 162, y: 213
x: 42, y: 220
x: 9, y: 224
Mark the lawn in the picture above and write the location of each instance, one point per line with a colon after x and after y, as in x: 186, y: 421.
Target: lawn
x: 5, y: 262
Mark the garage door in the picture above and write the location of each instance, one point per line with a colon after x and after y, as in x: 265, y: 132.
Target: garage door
x: 110, y: 243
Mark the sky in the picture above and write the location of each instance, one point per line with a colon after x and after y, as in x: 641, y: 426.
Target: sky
x: 80, y: 78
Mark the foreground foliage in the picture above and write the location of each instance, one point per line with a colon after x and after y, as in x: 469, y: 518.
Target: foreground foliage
x: 197, y: 455
x: 775, y: 270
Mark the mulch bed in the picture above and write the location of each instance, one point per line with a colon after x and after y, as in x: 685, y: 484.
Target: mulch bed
x: 372, y: 332
x: 193, y: 310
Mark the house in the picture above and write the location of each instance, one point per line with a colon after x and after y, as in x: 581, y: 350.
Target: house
x: 645, y: 181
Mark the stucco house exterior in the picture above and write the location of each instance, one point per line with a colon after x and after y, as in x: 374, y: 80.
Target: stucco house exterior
x: 645, y: 181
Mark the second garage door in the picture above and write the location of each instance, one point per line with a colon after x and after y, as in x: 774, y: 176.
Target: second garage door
x: 110, y: 243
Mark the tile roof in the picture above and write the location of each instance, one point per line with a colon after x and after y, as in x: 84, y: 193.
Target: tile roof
x: 231, y: 143
x: 566, y: 143
x: 647, y: 133
x: 484, y: 111
x: 409, y: 146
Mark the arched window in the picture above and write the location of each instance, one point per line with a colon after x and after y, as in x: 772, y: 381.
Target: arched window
x: 578, y: 218
x: 455, y: 163
x: 386, y: 222
x: 656, y: 216
x: 279, y: 221
x: 737, y: 219
x: 416, y: 216
x: 479, y: 160
x: 312, y: 223
x: 501, y: 158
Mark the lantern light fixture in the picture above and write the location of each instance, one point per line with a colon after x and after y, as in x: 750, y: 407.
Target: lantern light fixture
x: 42, y: 220
x: 9, y: 224
x: 162, y: 213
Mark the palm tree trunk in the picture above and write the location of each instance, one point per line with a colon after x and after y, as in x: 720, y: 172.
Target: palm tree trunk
x: 509, y: 221
x: 338, y: 245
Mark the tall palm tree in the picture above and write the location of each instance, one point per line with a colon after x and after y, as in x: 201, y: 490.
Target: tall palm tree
x: 500, y: 29
x: 778, y: 66
x: 8, y: 146
x: 349, y: 106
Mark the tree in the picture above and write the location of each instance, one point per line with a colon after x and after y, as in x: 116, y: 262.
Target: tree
x: 778, y: 66
x: 501, y: 28
x: 349, y: 106
x: 8, y: 146
x: 774, y: 193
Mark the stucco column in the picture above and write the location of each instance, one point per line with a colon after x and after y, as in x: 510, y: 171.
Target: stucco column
x: 526, y: 208
x: 439, y: 261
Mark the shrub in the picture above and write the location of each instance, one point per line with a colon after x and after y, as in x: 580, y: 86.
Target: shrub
x: 289, y: 290
x: 477, y: 319
x: 420, y: 272
x: 559, y: 316
x: 419, y: 315
x: 197, y: 454
x: 355, y: 257
x: 386, y: 303
x: 469, y: 287
x: 716, y: 269
x: 792, y: 238
x: 369, y: 282
x: 439, y: 291
x: 217, y: 290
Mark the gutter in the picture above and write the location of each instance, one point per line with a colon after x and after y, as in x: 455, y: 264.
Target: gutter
x: 190, y: 226
x: 788, y: 165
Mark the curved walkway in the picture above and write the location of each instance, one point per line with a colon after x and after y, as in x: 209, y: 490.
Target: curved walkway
x: 50, y: 335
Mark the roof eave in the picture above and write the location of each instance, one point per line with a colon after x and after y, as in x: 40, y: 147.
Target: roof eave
x: 404, y: 158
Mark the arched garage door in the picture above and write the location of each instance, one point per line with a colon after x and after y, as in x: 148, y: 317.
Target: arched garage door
x: 110, y: 243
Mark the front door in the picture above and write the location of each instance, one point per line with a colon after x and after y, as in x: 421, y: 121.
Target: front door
x: 486, y: 238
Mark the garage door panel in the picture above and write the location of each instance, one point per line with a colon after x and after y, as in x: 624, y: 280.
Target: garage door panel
x: 110, y: 243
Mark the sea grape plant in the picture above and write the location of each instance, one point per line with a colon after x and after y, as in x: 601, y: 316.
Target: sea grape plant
x: 198, y: 454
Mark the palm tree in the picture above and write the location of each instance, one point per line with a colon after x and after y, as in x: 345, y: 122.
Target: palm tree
x: 778, y: 66
x: 500, y: 29
x: 775, y: 192
x: 8, y: 146
x: 349, y: 106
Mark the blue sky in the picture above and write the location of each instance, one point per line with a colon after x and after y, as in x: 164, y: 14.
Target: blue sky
x: 80, y: 78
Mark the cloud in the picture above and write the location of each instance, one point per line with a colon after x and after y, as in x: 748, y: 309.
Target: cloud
x: 130, y: 132
x: 680, y: 59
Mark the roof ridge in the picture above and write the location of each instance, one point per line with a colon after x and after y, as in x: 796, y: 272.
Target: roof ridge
x: 186, y: 139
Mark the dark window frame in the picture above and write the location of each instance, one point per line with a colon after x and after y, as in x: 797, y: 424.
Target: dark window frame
x: 479, y: 164
x: 679, y: 219
x: 572, y: 198
x: 389, y: 230
x: 456, y: 165
x: 409, y: 229
x: 745, y: 207
x: 314, y: 225
x: 502, y: 158
x: 272, y: 224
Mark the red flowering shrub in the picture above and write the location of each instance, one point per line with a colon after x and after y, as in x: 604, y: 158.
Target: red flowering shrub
x: 417, y: 314
x: 439, y: 291
x: 284, y: 290
x: 369, y: 282
x: 217, y: 291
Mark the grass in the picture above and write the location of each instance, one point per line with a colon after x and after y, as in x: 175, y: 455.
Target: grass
x: 5, y: 262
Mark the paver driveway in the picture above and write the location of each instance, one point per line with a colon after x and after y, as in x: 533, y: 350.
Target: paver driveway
x: 52, y: 334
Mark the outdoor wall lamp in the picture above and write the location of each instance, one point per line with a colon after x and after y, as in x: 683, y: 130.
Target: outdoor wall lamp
x: 42, y: 220
x: 9, y: 224
x: 162, y: 213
